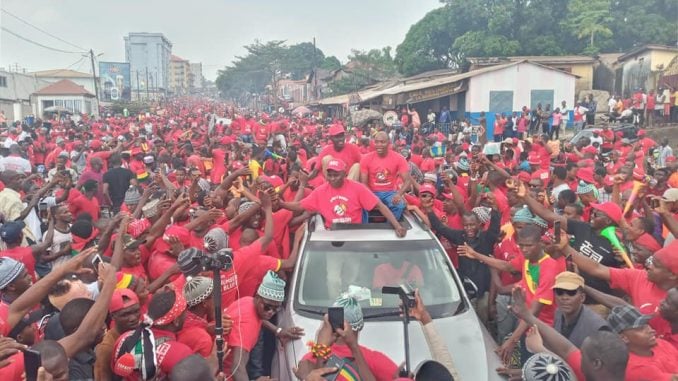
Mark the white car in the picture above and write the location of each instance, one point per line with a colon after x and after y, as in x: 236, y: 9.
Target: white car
x: 360, y: 257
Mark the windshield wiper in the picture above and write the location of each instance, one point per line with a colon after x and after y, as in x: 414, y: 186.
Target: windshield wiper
x: 390, y: 313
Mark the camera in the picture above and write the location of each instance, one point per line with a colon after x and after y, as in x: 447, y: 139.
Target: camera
x: 405, y: 291
x: 221, y: 260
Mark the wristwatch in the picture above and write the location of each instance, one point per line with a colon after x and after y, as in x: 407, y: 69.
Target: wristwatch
x: 277, y: 331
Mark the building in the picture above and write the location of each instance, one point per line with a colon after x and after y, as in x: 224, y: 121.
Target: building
x: 179, y: 75
x: 64, y: 94
x: 492, y: 89
x: 15, y: 94
x: 294, y: 92
x: 149, y: 57
x: 642, y: 67
x: 197, y: 79
x: 581, y: 66
x: 79, y: 78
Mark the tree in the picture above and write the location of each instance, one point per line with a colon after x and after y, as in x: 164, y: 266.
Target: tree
x: 588, y: 19
x: 365, y: 68
x: 330, y: 63
x: 298, y: 60
x: 483, y: 44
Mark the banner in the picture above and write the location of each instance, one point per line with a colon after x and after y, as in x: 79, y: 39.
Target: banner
x: 115, y: 81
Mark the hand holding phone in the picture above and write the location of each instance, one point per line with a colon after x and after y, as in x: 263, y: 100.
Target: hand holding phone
x: 556, y: 231
x: 32, y: 362
x: 336, y: 317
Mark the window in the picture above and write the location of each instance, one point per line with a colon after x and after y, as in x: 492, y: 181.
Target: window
x: 545, y: 97
x: 3, y: 81
x: 501, y: 101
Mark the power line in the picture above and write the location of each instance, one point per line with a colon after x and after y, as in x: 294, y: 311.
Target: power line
x: 37, y: 43
x: 42, y: 30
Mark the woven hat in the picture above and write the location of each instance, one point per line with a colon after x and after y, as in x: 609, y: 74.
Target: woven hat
x: 187, y: 262
x: 625, y: 317
x: 215, y: 240
x: 584, y: 188
x: 483, y: 213
x: 10, y: 269
x: 132, y: 196
x: 151, y: 209
x: 352, y: 312
x: 546, y: 366
x: 272, y: 287
x: 197, y: 289
x: 204, y: 185
x: 523, y: 215
x: 536, y: 220
x: 245, y: 206
x: 430, y: 176
x: 462, y: 164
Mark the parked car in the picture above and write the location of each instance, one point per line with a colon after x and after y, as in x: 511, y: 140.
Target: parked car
x: 629, y: 131
x: 360, y: 254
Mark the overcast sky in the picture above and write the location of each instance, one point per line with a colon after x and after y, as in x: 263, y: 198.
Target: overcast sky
x: 208, y: 31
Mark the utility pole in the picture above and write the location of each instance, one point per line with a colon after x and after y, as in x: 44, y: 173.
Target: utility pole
x: 314, y: 73
x: 94, y: 78
x: 138, y: 91
x: 147, y: 96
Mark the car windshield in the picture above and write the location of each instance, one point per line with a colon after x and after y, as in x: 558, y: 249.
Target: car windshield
x: 361, y: 269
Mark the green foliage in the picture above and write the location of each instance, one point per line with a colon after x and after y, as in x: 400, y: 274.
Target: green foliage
x: 330, y: 63
x: 365, y: 68
x: 462, y: 28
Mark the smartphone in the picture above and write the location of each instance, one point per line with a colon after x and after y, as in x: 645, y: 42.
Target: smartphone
x: 96, y: 261
x: 556, y: 231
x: 336, y: 317
x: 32, y: 362
x: 655, y: 203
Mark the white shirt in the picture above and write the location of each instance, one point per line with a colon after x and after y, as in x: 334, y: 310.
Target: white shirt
x: 16, y: 164
x: 611, y: 103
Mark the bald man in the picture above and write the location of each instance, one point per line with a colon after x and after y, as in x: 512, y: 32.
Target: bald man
x: 386, y: 173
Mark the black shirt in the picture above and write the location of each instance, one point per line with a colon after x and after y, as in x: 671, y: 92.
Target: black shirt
x: 118, y: 182
x: 590, y: 244
x: 483, y: 243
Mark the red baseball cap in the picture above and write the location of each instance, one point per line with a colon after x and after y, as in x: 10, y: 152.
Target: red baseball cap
x: 336, y: 165
x: 524, y: 176
x: 610, y: 209
x: 336, y: 129
x: 668, y: 258
x: 122, y: 298
x: 184, y: 236
x: 586, y: 174
x: 274, y: 180
x: 641, y: 133
x: 590, y: 149
x: 227, y: 140
x: 533, y: 159
x: 427, y: 188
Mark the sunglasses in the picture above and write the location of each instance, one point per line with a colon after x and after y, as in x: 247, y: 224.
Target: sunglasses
x: 270, y: 307
x: 561, y: 292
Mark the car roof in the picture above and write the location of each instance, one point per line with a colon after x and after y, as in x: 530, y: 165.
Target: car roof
x: 369, y: 231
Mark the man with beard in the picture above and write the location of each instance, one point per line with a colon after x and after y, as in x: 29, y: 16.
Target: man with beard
x: 125, y: 312
x: 349, y: 153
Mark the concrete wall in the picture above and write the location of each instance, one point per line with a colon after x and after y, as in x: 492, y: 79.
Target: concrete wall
x: 521, y: 79
x: 585, y: 72
x: 16, y: 96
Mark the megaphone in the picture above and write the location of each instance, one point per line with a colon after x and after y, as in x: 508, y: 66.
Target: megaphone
x: 610, y: 233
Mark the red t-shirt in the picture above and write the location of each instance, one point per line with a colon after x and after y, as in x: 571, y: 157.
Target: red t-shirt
x: 574, y: 361
x: 281, y: 231
x: 381, y: 366
x: 246, y: 327
x: 416, y: 159
x: 159, y: 263
x: 80, y: 203
x: 168, y: 354
x: 14, y: 371
x: 645, y: 295
x: 508, y: 250
x: 194, y: 334
x: 428, y: 165
x: 383, y: 172
x: 246, y: 261
x: 662, y: 365
x: 540, y: 290
x: 387, y: 275
x: 341, y: 205
x: 24, y: 255
x: 350, y: 154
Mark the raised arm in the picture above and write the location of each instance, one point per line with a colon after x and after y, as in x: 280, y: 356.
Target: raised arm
x: 587, y: 264
x: 539, y: 209
x: 607, y: 300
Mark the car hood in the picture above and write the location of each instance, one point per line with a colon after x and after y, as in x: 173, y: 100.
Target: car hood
x: 470, y: 345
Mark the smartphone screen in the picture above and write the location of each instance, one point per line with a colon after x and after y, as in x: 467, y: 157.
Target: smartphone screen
x: 556, y: 231
x: 32, y: 362
x: 336, y: 317
x: 96, y: 261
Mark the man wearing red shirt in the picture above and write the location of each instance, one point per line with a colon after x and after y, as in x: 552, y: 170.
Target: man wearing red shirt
x: 647, y: 288
x: 86, y: 202
x: 380, y: 170
x: 538, y: 271
x: 349, y: 153
x: 12, y: 235
x: 341, y: 200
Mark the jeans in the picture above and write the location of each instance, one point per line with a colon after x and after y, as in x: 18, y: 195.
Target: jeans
x: 387, y: 198
x: 506, y: 321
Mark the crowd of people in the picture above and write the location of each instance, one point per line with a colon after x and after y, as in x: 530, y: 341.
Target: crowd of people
x: 567, y: 251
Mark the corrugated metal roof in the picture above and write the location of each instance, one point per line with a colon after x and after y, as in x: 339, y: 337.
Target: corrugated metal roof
x: 65, y: 73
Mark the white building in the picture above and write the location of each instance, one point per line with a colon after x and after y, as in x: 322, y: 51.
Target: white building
x: 15, y: 94
x: 79, y: 78
x: 196, y: 76
x: 64, y: 94
x: 149, y: 57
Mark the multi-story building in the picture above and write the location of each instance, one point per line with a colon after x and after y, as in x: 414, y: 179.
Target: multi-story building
x: 196, y: 76
x: 180, y: 75
x: 149, y: 57
x: 15, y: 94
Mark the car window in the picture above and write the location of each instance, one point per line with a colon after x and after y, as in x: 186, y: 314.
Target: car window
x: 330, y: 269
x: 630, y: 132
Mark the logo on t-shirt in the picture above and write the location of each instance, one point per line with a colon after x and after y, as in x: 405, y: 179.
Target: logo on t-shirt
x: 382, y: 177
x: 340, y: 209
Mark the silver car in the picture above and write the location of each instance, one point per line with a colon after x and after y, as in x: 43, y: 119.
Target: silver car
x: 361, y: 259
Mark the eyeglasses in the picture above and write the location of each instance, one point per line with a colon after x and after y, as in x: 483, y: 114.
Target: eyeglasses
x: 561, y: 292
x: 270, y: 307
